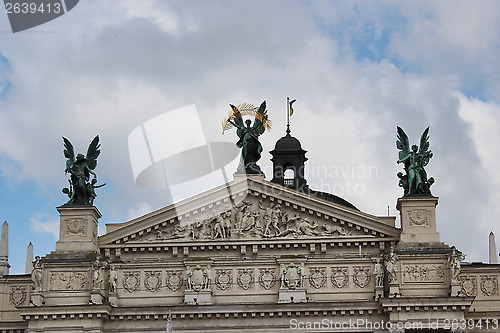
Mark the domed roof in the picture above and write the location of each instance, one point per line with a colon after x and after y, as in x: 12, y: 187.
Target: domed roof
x: 288, y: 142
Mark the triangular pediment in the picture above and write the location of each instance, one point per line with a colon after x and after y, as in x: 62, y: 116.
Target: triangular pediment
x: 250, y: 208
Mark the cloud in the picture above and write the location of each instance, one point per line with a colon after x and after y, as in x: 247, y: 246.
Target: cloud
x: 41, y: 223
x: 357, y: 71
x: 141, y: 208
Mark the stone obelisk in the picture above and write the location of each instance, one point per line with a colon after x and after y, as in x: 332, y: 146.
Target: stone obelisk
x: 493, y: 249
x: 4, y: 250
x: 29, y: 259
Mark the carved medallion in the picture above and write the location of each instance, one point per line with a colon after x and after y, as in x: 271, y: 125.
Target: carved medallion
x: 419, y: 217
x: 131, y: 280
x: 152, y: 281
x: 70, y: 280
x: 223, y: 278
x: 489, y: 285
x: 17, y: 295
x: 469, y: 285
x: 267, y: 279
x: 361, y: 276
x: 317, y: 277
x: 245, y: 278
x: 340, y: 277
x: 76, y: 227
x: 174, y: 280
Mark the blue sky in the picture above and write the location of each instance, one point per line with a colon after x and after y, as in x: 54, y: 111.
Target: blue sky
x: 358, y: 69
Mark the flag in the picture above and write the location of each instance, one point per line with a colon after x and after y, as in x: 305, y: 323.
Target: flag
x: 291, y: 107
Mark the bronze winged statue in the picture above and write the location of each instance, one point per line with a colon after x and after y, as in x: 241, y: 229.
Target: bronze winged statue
x: 251, y: 148
x: 415, y: 182
x: 81, y: 187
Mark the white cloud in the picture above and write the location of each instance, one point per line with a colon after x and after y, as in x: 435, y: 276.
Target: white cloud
x: 108, y: 67
x: 41, y: 223
x: 139, y: 209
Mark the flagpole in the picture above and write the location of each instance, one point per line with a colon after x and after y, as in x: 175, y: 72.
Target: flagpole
x: 288, y: 115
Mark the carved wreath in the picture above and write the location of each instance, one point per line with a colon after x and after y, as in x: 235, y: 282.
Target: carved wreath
x: 340, y: 278
x: 174, y: 280
x: 223, y: 278
x: 317, y: 277
x: 267, y: 279
x: 245, y: 278
x: 131, y: 281
x: 152, y: 282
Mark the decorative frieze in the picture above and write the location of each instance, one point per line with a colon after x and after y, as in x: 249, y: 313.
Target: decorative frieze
x: 267, y: 278
x: 489, y: 285
x: 245, y: 278
x: 317, y: 277
x: 361, y: 277
x: 340, y: 277
x: 131, y: 280
x: 423, y: 273
x: 69, y: 280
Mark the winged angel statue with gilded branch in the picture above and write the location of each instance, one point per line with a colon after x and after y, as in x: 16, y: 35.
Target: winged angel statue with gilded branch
x: 81, y: 186
x: 251, y: 148
x: 415, y: 182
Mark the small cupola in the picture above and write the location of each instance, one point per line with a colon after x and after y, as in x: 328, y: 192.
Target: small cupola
x: 288, y: 163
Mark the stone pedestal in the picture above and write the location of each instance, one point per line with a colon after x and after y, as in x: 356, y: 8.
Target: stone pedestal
x: 379, y: 292
x: 418, y: 220
x: 113, y: 299
x: 292, y: 296
x: 197, y: 297
x: 96, y: 297
x: 78, y: 229
x: 37, y: 299
x: 394, y: 291
x: 456, y: 288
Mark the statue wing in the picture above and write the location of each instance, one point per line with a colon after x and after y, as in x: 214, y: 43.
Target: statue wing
x: 259, y: 125
x: 69, y: 152
x: 92, y: 153
x: 424, y: 142
x: 403, y: 144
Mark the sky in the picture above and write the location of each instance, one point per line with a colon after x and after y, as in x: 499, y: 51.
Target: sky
x: 358, y: 69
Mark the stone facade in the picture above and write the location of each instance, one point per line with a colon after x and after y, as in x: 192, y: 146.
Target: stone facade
x: 261, y: 258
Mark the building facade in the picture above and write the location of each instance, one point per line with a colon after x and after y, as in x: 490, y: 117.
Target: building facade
x: 254, y: 256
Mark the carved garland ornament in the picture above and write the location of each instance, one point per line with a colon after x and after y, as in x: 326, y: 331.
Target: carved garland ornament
x: 267, y: 278
x: 362, y: 276
x: 174, y: 279
x: 131, y: 280
x: 489, y: 285
x: 317, y: 277
x: 340, y: 277
x: 223, y: 278
x: 419, y: 217
x: 152, y: 281
x: 76, y: 227
x: 469, y: 285
x: 245, y: 278
x: 17, y: 295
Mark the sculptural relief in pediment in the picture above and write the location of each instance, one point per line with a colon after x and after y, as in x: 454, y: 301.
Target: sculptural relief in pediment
x: 253, y: 219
